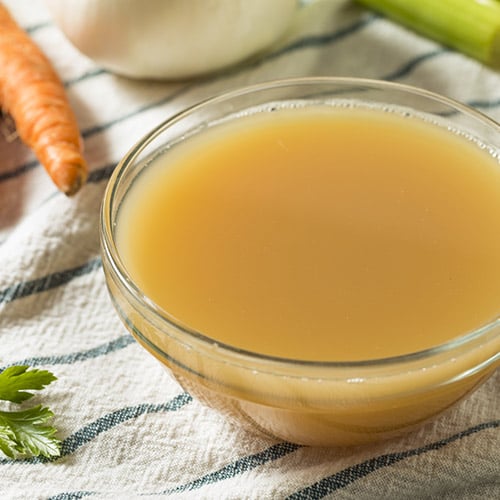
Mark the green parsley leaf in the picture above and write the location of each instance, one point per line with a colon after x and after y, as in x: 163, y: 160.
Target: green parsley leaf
x: 16, y: 380
x: 26, y: 433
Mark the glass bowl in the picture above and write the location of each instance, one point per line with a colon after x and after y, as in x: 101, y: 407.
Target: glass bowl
x: 333, y: 403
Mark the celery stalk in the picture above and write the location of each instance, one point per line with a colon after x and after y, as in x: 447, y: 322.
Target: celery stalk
x: 470, y: 26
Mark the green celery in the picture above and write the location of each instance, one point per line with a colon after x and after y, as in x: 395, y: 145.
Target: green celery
x: 470, y: 26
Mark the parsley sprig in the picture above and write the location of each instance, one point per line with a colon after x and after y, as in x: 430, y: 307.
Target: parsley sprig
x: 26, y: 433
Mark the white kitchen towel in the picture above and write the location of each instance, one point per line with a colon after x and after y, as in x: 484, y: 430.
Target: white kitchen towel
x: 130, y: 431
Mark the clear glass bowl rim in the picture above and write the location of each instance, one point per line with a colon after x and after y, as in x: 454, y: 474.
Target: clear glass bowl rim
x: 108, y: 246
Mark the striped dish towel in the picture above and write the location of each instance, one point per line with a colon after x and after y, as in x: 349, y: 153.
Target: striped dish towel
x: 128, y: 430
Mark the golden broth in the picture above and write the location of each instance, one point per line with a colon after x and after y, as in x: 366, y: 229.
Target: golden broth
x: 321, y: 233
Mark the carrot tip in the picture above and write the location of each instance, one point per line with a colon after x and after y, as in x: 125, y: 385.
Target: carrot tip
x: 72, y: 185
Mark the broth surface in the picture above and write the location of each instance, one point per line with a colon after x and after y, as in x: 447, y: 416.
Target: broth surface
x: 321, y: 233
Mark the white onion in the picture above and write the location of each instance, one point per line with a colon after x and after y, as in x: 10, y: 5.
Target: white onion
x: 171, y: 38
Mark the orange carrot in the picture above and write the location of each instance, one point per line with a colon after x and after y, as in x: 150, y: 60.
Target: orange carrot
x: 33, y: 95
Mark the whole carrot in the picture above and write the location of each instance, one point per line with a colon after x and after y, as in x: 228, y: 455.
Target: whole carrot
x: 33, y: 95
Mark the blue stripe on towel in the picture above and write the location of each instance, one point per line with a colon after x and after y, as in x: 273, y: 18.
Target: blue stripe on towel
x: 95, y: 176
x: 22, y: 169
x: 320, y: 40
x: 74, y: 357
x: 37, y: 27
x: 351, y: 474
x: 101, y: 173
x: 88, y: 75
x: 90, y: 431
x: 47, y: 282
x: 107, y: 422
x: 74, y: 495
x: 407, y: 68
x: 481, y: 104
x: 237, y: 467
